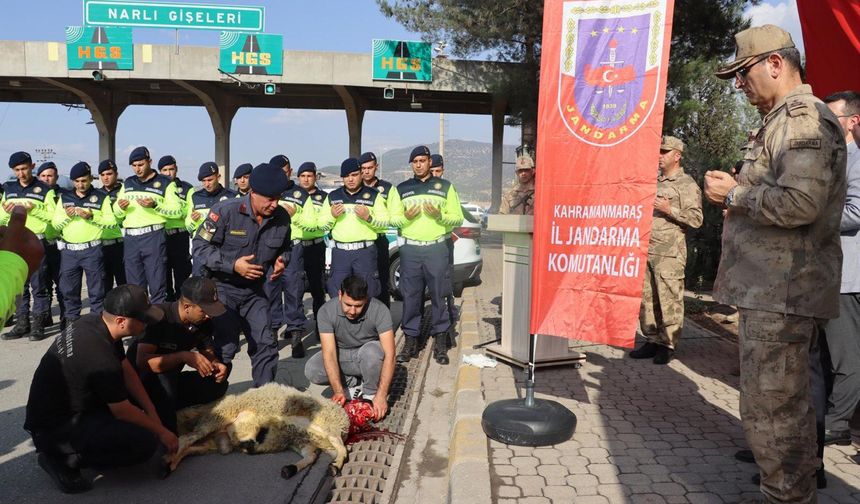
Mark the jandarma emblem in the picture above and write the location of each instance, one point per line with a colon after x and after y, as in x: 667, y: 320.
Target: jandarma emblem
x: 610, y: 67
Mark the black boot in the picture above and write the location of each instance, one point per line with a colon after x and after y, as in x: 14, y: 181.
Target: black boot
x: 47, y: 320
x: 21, y: 329
x: 663, y: 355
x: 69, y: 480
x: 646, y: 351
x: 296, y: 343
x: 38, y: 331
x: 409, y: 350
x: 440, y: 348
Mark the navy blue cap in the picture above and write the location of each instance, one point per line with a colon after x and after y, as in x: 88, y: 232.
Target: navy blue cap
x: 47, y: 165
x: 242, y: 170
x: 80, y: 169
x: 421, y: 150
x: 280, y: 161
x: 307, y: 166
x: 436, y: 160
x: 268, y: 180
x: 106, y: 165
x: 366, y: 158
x: 166, y: 161
x: 137, y: 154
x: 19, y: 158
x: 206, y: 169
x: 349, y: 165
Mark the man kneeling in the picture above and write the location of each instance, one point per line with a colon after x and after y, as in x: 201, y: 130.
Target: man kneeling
x: 167, y: 347
x: 357, y: 338
x: 87, y: 407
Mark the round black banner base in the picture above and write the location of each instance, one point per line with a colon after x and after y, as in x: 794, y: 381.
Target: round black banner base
x: 511, y: 421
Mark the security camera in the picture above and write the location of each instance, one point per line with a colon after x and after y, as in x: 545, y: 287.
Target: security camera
x: 98, y: 76
x: 388, y: 93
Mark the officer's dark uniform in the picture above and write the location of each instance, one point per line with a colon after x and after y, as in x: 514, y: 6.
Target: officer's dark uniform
x: 112, y: 248
x: 354, y: 249
x: 383, y: 261
x: 81, y: 245
x: 313, y: 244
x: 41, y: 197
x: 436, y: 160
x: 231, y: 231
x: 288, y: 309
x: 177, y: 239
x: 143, y: 228
x: 424, y: 255
x: 52, y: 257
x: 199, y: 202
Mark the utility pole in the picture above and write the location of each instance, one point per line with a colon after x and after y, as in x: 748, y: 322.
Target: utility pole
x: 442, y: 134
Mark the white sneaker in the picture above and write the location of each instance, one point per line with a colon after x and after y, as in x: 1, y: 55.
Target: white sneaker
x: 355, y: 392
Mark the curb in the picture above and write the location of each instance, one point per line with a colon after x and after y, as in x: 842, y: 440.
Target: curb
x: 468, y: 460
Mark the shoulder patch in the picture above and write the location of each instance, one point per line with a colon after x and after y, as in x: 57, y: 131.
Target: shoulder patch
x: 214, y: 217
x: 297, y: 194
x: 381, y: 188
x: 157, y: 184
x: 365, y: 195
x: 797, y: 107
x: 93, y: 198
x: 805, y: 143
x: 37, y: 189
x: 318, y: 197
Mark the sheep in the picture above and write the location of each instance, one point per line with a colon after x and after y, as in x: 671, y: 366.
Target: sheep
x: 268, y: 419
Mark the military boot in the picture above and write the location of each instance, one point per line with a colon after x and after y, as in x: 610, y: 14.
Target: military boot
x: 296, y: 344
x: 47, y: 320
x: 646, y: 351
x: 440, y: 348
x: 409, y: 350
x: 38, y: 331
x: 21, y: 329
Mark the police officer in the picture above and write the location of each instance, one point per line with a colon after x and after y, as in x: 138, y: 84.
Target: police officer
x: 437, y: 169
x: 201, y: 200
x: 677, y: 207
x: 80, y: 216
x: 47, y: 173
x: 38, y: 199
x: 176, y: 236
x: 781, y: 255
x: 112, y: 247
x: 241, y: 178
x: 289, y: 309
x: 424, y: 207
x: 313, y: 242
x: 238, y: 242
x: 355, y: 214
x: 520, y: 199
x: 369, y: 166
x: 145, y: 202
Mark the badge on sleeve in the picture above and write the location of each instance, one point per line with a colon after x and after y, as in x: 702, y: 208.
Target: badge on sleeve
x: 207, y: 230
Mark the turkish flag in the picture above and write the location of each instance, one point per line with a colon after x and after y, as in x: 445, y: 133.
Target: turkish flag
x: 600, y: 115
x: 831, y: 38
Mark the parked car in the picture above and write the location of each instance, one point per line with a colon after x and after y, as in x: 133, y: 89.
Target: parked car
x: 468, y: 262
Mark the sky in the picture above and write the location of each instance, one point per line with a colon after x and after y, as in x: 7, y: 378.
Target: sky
x: 257, y: 134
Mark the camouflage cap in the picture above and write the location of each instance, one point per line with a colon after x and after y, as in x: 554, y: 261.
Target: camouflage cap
x: 754, y: 42
x: 671, y: 143
x: 525, y: 162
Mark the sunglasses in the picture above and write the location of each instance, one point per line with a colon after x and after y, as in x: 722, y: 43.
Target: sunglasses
x: 741, y: 74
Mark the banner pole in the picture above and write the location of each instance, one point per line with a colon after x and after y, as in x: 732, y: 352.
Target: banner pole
x: 530, y: 371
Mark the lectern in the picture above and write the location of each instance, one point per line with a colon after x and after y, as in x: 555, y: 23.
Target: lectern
x: 516, y: 299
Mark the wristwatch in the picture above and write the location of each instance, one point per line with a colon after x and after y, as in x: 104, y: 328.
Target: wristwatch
x: 729, y: 197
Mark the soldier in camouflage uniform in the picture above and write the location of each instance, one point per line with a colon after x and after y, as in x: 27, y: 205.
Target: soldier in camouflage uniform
x: 677, y: 207
x: 520, y: 199
x: 781, y: 255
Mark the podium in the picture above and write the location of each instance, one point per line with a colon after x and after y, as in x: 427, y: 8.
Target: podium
x: 516, y: 299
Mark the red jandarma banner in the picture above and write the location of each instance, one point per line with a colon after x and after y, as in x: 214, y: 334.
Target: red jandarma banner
x: 831, y: 40
x: 602, y: 90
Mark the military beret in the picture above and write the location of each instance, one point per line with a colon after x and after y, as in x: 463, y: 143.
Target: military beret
x: 137, y: 154
x: 307, y: 166
x: 280, y: 161
x: 671, y: 143
x: 753, y: 42
x: 47, y: 165
x: 19, y: 158
x: 366, y: 158
x: 242, y: 170
x: 106, y: 165
x: 206, y: 169
x: 419, y: 151
x: 525, y: 162
x: 349, y: 165
x: 166, y: 161
x: 80, y: 169
x: 436, y: 160
x: 268, y: 180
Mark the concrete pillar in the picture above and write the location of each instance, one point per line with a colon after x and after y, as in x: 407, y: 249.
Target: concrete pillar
x: 355, y: 107
x: 222, y: 108
x: 104, y: 105
x: 499, y: 106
